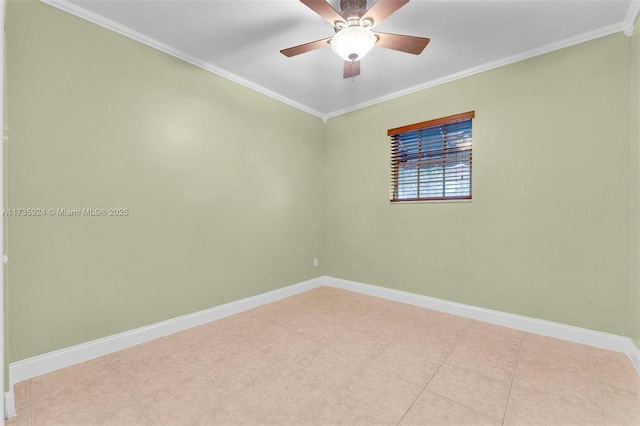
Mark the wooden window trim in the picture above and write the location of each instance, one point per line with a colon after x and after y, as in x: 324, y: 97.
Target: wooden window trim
x: 438, y: 121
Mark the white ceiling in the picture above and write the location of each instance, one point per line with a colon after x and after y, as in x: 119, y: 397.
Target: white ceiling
x: 241, y: 40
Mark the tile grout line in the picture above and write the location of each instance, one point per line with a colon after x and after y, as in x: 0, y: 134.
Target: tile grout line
x: 205, y: 370
x: 595, y: 378
x: 326, y: 343
x: 424, y: 388
x: 293, y: 332
x: 479, y: 374
x: 234, y: 394
x: 363, y: 367
x: 31, y: 422
x: 384, y: 348
x: 461, y: 367
x: 27, y: 405
x: 26, y: 408
x: 513, y: 379
x: 124, y: 384
x: 471, y: 371
x: 464, y: 406
x: 393, y: 334
x: 335, y: 337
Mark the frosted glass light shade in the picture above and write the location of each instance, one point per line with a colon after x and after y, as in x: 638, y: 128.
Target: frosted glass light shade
x: 353, y: 43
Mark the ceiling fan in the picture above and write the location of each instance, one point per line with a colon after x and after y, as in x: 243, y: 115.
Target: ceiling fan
x: 354, y: 37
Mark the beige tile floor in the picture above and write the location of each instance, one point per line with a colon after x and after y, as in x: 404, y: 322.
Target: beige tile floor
x: 333, y: 357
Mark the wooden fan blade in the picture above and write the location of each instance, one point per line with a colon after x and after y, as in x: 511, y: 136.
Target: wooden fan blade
x: 403, y: 43
x: 325, y: 10
x: 382, y: 9
x: 307, y: 47
x: 351, y: 69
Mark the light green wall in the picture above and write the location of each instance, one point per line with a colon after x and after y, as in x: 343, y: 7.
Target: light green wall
x: 223, y: 185
x: 232, y: 193
x: 547, y: 234
x: 635, y: 160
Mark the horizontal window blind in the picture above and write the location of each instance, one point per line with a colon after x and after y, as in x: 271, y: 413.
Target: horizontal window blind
x: 432, y: 160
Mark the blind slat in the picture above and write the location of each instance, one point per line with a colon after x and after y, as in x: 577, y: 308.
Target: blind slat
x: 432, y: 162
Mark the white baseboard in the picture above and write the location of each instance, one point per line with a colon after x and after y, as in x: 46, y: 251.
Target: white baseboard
x: 532, y: 325
x: 634, y: 354
x: 51, y: 361
x: 9, y: 405
x: 41, y: 364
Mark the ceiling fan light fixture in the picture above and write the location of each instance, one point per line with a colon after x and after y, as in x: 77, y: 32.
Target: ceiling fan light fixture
x: 353, y: 43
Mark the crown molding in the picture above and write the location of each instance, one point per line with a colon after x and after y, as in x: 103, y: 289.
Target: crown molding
x: 630, y: 19
x: 94, y: 18
x: 626, y: 27
x: 572, y: 41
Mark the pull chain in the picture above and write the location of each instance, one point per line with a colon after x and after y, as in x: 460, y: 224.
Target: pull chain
x: 353, y: 58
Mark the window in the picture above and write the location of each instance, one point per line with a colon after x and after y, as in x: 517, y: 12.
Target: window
x: 432, y: 160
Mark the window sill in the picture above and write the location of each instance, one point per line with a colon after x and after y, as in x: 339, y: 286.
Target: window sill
x: 468, y: 200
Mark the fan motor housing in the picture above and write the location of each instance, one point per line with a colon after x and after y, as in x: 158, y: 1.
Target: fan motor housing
x: 353, y: 10
x: 352, y: 4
